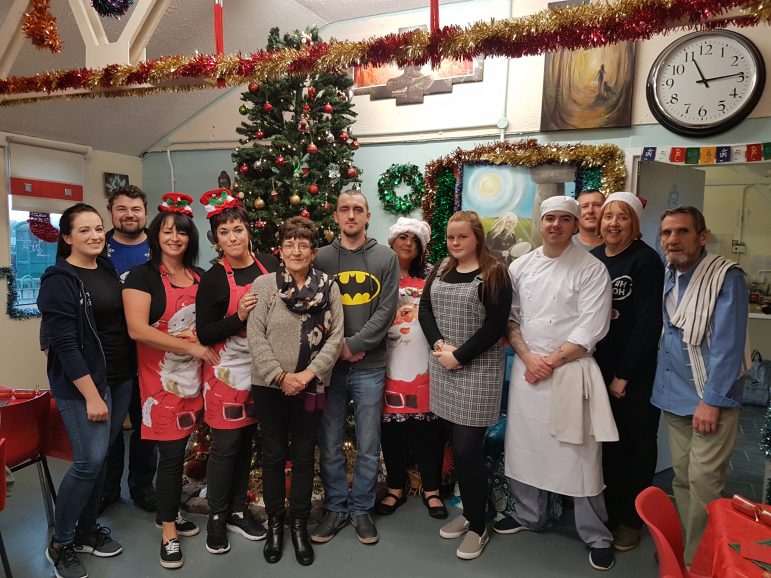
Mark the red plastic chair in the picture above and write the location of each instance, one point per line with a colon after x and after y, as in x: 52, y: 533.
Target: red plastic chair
x: 3, y: 492
x: 659, y: 514
x: 24, y: 425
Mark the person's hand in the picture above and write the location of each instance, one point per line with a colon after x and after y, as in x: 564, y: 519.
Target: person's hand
x: 346, y: 355
x: 292, y: 384
x: 96, y: 409
x: 206, y: 353
x: 537, y: 367
x: 705, y: 418
x: 247, y: 302
x: 446, y: 358
x: 306, y: 375
x: 617, y: 388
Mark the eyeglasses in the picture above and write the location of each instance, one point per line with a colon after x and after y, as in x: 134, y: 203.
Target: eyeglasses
x: 292, y: 247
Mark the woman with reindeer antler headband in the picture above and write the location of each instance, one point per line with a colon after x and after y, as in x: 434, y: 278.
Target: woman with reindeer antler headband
x: 159, y: 300
x: 223, y: 305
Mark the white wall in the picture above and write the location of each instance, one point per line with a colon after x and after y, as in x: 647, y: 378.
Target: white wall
x: 23, y: 364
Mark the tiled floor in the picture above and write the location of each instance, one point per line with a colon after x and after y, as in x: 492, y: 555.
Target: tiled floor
x: 745, y: 471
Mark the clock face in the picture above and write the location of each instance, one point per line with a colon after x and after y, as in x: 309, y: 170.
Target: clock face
x: 705, y: 82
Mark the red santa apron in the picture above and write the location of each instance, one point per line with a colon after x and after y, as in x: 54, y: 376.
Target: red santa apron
x: 228, y: 385
x: 170, y: 383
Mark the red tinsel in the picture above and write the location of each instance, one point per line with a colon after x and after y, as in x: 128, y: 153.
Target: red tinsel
x: 40, y: 226
x: 39, y: 25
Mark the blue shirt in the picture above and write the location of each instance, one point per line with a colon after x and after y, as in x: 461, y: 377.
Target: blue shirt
x: 673, y: 389
x: 126, y: 257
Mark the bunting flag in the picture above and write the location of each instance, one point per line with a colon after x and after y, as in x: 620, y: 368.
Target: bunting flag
x: 708, y: 155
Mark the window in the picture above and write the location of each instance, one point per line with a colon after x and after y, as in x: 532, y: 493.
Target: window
x: 29, y: 259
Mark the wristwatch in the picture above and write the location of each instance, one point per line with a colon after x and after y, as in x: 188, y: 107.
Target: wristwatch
x: 438, y: 344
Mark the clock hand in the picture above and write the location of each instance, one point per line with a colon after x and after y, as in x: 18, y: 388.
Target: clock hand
x: 703, y: 80
x: 706, y: 80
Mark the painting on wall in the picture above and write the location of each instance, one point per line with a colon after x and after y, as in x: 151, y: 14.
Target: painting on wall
x: 588, y: 88
x: 409, y: 85
x: 114, y: 182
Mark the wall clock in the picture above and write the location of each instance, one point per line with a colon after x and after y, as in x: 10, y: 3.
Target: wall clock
x: 705, y: 82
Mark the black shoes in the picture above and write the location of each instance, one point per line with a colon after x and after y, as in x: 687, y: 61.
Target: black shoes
x: 366, y: 531
x: 171, y: 554
x: 303, y: 550
x: 387, y: 509
x: 184, y: 526
x: 244, y: 523
x: 66, y: 563
x: 275, y: 538
x: 439, y: 512
x: 601, y: 558
x: 216, y: 534
x: 97, y: 542
x: 330, y: 524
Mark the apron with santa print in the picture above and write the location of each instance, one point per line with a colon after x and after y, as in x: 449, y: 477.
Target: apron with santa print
x: 228, y: 385
x: 170, y: 383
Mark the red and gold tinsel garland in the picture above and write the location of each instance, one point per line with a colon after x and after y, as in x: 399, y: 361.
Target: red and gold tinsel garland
x: 39, y: 25
x: 554, y: 29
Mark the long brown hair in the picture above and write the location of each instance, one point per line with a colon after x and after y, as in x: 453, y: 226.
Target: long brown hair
x: 495, y: 277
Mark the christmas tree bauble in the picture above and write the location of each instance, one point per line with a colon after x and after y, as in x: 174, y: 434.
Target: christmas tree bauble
x: 294, y: 199
x: 355, y: 145
x: 352, y: 172
x: 267, y: 107
x: 328, y: 108
x: 242, y: 109
x: 257, y: 164
x: 260, y: 224
x: 306, y: 108
x: 329, y: 235
x: 259, y: 135
x: 343, y: 136
x: 254, y: 88
x: 259, y: 203
x: 311, y: 92
x: 313, y: 189
x: 312, y: 149
x: 280, y: 160
x: 305, y: 213
x: 274, y: 195
x: 244, y: 169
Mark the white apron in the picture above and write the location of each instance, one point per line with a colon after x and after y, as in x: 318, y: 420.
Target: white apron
x: 555, y: 300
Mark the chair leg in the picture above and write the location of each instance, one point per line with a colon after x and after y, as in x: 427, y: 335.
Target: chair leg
x: 45, y: 489
x: 49, y: 479
x: 4, y: 557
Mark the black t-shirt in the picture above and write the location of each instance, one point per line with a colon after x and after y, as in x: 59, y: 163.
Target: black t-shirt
x: 147, y: 278
x: 213, y: 298
x: 493, y: 327
x: 104, y: 290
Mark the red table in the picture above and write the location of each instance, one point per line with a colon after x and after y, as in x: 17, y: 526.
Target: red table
x: 715, y: 557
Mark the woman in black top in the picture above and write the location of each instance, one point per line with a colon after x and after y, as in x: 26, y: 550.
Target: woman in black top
x: 90, y: 373
x: 627, y: 358
x: 223, y: 304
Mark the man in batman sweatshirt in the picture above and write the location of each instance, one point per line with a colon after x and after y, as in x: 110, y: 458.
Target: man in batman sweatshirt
x: 368, y: 277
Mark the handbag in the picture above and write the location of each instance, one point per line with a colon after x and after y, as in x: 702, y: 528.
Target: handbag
x: 757, y: 382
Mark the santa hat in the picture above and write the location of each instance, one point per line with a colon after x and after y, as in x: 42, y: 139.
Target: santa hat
x: 217, y: 200
x: 176, y: 203
x: 420, y: 229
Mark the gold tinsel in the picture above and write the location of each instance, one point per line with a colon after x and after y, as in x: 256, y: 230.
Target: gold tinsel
x: 39, y: 25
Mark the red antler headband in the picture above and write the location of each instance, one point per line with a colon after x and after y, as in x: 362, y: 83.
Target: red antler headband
x: 176, y: 203
x: 217, y: 200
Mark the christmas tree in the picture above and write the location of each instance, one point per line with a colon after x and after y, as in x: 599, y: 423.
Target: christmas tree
x: 301, y: 153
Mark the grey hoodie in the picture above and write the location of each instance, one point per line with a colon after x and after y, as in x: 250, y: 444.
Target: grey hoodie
x: 368, y: 278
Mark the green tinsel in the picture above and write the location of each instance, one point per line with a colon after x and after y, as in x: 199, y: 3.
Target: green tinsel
x: 588, y: 179
x: 408, y: 174
x: 13, y: 310
x: 445, y: 207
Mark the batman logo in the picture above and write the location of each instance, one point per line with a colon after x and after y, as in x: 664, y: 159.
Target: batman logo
x: 357, y: 287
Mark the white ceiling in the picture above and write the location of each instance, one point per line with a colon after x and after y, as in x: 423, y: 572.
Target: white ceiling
x: 132, y: 125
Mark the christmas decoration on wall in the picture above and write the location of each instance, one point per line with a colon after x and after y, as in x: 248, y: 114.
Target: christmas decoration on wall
x: 709, y: 155
x: 291, y: 167
x: 12, y: 298
x: 40, y: 226
x: 551, y: 30
x: 443, y: 176
x: 39, y: 25
x: 396, y: 175
x: 113, y: 8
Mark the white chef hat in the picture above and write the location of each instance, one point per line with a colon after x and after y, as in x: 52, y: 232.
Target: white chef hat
x: 420, y: 229
x: 560, y: 203
x: 629, y: 198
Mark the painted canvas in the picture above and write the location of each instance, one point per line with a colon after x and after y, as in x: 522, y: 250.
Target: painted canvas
x: 114, y: 182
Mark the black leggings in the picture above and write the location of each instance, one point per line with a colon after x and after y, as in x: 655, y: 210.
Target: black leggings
x: 468, y: 452
x: 230, y: 462
x: 426, y: 439
x: 168, y: 483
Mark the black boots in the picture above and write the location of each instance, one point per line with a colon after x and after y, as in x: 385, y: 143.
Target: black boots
x: 275, y: 539
x: 303, y: 550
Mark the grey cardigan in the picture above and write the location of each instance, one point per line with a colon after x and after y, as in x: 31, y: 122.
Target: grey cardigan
x: 273, y: 333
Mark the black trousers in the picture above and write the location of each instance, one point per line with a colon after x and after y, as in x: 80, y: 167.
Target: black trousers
x: 143, y: 456
x: 227, y: 473
x: 427, y: 442
x: 288, y: 433
x: 468, y: 452
x: 629, y: 464
x: 171, y: 458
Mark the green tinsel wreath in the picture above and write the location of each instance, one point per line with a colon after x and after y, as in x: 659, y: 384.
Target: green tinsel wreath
x: 386, y: 189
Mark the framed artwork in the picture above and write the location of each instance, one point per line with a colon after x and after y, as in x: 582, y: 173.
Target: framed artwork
x: 409, y: 85
x: 588, y: 88
x: 114, y: 182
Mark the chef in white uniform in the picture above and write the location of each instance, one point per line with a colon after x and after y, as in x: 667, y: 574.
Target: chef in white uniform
x: 558, y: 406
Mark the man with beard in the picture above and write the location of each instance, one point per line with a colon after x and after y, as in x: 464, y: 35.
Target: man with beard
x: 127, y: 247
x: 589, y: 204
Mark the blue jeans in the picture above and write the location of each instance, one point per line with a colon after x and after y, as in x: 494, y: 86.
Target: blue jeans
x: 81, y: 487
x: 365, y: 388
